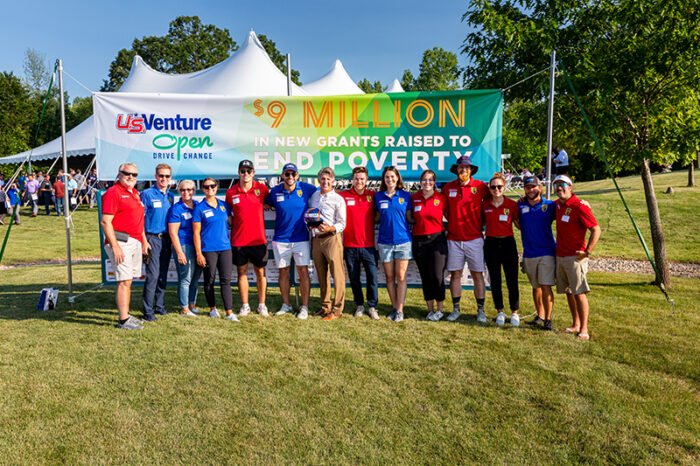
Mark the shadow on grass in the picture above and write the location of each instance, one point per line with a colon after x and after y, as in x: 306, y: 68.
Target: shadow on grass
x: 602, y: 191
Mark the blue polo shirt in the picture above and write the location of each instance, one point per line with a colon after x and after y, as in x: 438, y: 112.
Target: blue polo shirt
x: 214, y: 225
x: 12, y: 195
x: 536, y: 228
x: 180, y: 213
x: 157, y: 206
x: 393, y: 225
x: 289, y: 211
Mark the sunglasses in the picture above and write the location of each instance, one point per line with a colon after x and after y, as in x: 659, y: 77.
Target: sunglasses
x: 125, y: 173
x: 159, y: 175
x: 496, y: 186
x: 561, y: 185
x: 245, y: 171
x: 209, y: 186
x: 288, y: 174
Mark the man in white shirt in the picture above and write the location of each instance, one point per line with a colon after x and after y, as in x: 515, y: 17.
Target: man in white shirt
x: 561, y: 161
x: 327, y: 244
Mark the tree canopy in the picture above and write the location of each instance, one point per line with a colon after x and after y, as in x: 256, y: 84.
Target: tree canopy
x: 370, y: 88
x: 438, y: 71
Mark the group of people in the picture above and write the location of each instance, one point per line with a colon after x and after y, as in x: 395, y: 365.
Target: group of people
x: 35, y: 188
x: 467, y: 221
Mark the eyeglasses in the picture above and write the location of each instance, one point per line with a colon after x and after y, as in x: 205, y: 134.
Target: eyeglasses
x: 209, y: 186
x: 186, y: 189
x: 125, y: 173
x: 160, y: 175
x: 245, y: 171
x: 288, y: 174
x: 496, y: 186
x: 561, y: 185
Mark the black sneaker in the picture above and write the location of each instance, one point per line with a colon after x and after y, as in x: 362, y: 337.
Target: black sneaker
x: 537, y: 321
x: 548, y: 324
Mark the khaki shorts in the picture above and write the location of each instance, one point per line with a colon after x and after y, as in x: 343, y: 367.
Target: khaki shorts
x: 133, y: 257
x: 540, y: 270
x: 571, y: 275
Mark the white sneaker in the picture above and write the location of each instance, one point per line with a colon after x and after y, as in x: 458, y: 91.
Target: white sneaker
x: 194, y: 310
x: 214, y: 313
x: 454, y: 315
x: 232, y: 317
x: 190, y: 313
x: 360, y: 311
x: 303, y: 313
x: 244, y: 310
x: 262, y: 310
x: 437, y: 315
x: 515, y: 320
x: 430, y: 315
x: 500, y: 318
x: 481, y: 316
x: 373, y: 314
x: 284, y: 309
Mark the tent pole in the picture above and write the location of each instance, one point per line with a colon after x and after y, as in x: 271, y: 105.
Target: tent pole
x: 65, y: 180
x: 550, y: 122
x: 289, y: 74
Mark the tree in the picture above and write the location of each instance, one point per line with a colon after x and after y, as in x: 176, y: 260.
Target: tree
x: 370, y: 88
x: 279, y: 59
x: 36, y: 73
x: 15, y: 115
x: 408, y: 81
x: 630, y: 61
x: 188, y: 46
x: 439, y: 71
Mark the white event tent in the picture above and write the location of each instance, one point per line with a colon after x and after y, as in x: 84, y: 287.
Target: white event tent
x: 394, y: 87
x: 248, y: 72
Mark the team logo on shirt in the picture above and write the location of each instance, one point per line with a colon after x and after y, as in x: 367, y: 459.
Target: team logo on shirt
x: 257, y: 192
x: 436, y: 202
x: 401, y: 200
x: 568, y: 211
x: 506, y: 211
x: 473, y: 190
x: 544, y: 207
x: 369, y: 198
x: 223, y: 209
x: 299, y: 192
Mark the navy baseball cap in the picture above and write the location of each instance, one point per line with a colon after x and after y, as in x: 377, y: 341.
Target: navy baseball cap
x: 289, y: 167
x: 531, y: 181
x: 246, y: 164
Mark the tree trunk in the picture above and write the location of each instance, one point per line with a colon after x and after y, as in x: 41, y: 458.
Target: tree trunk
x: 691, y: 170
x: 663, y: 275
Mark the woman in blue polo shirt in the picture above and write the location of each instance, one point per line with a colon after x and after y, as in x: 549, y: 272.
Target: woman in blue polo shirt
x: 393, y: 208
x: 210, y: 220
x: 181, y: 236
x: 13, y: 203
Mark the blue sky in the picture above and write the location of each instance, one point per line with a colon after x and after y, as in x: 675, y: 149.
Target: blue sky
x: 376, y: 40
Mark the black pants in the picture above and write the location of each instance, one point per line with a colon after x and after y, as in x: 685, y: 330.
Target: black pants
x: 430, y: 254
x: 503, y: 252
x: 221, y: 261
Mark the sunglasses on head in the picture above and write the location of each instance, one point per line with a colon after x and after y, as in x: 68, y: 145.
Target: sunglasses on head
x: 209, y: 186
x: 125, y: 173
x: 245, y: 171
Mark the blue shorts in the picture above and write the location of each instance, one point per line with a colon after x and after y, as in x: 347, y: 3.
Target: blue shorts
x: 390, y: 252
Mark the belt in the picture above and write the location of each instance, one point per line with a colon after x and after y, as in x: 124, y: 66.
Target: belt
x: 157, y: 235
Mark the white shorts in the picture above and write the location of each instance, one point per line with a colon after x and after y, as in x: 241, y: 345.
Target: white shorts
x: 470, y: 251
x: 133, y: 257
x: 284, y: 252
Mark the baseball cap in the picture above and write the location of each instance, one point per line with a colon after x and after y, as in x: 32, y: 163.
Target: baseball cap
x: 289, y: 167
x: 246, y: 164
x: 565, y: 179
x: 531, y: 180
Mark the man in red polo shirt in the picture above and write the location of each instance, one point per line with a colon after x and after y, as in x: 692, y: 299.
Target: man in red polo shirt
x: 59, y: 193
x: 125, y: 238
x: 358, y: 242
x: 465, y: 241
x: 574, y: 218
x: 248, y: 242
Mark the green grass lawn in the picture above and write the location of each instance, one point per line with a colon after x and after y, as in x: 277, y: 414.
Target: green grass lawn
x: 73, y: 389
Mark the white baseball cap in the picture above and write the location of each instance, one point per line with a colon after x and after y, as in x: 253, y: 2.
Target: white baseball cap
x: 565, y: 179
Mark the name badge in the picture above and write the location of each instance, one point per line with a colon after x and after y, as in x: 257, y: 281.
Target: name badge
x: 186, y: 216
x: 383, y: 205
x: 235, y: 200
x: 351, y: 201
x: 418, y: 208
x: 503, y: 218
x: 526, y: 210
x: 157, y: 204
x: 453, y: 193
x: 208, y: 213
x: 280, y: 197
x: 564, y: 218
x: 35, y: 197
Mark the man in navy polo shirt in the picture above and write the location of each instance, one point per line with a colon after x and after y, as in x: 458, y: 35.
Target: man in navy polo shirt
x: 157, y: 200
x: 290, y: 199
x: 539, y: 248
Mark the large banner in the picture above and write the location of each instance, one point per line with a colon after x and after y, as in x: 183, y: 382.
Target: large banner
x: 208, y: 135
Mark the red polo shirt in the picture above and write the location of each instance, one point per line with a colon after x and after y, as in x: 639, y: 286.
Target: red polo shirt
x: 247, y: 224
x: 464, y: 207
x: 499, y: 220
x: 428, y: 213
x: 127, y: 209
x: 573, y: 220
x: 359, y: 227
x: 58, y: 187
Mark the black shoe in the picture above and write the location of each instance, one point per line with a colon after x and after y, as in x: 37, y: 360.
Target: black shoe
x: 149, y: 318
x: 537, y: 321
x: 548, y: 324
x: 162, y: 313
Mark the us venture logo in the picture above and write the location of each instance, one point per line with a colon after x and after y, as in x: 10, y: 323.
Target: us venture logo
x: 169, y: 146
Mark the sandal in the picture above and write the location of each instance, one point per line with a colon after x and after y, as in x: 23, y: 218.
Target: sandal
x: 570, y: 330
x: 584, y: 336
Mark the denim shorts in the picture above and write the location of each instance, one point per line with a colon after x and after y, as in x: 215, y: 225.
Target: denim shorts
x: 390, y: 252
